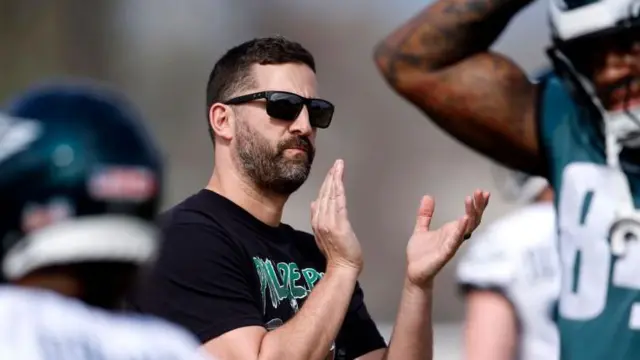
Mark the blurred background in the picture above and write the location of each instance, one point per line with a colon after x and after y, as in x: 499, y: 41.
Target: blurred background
x: 160, y: 52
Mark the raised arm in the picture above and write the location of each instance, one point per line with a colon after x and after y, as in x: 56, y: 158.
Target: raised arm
x: 440, y: 61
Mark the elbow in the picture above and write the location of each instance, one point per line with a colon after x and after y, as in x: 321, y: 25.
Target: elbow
x: 276, y: 348
x: 379, y: 57
x: 383, y: 60
x: 393, y: 68
x: 279, y: 355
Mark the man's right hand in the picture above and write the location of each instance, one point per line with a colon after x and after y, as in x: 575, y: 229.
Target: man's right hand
x: 330, y: 223
x: 310, y: 333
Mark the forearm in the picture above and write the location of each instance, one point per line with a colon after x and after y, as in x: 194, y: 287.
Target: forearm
x: 446, y: 32
x: 490, y: 346
x: 412, y: 333
x: 490, y: 326
x: 441, y: 59
x: 310, y: 333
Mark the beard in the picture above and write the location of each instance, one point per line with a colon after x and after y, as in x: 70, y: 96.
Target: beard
x: 268, y: 168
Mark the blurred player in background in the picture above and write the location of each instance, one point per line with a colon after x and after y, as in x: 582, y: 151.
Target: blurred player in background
x: 80, y: 183
x: 579, y: 127
x: 510, y: 276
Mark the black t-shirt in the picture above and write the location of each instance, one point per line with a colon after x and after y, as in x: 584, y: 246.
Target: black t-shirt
x: 220, y: 269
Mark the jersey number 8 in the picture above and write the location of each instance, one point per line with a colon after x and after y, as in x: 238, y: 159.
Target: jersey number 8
x: 586, y: 211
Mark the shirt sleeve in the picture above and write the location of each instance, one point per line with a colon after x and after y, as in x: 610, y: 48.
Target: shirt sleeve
x: 359, y: 334
x: 488, y: 264
x: 201, y: 282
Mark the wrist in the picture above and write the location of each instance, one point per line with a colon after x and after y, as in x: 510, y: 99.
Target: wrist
x: 347, y: 271
x: 411, y: 287
x: 416, y: 296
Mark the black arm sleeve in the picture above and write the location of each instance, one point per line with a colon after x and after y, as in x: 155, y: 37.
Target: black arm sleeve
x: 359, y: 334
x: 201, y: 281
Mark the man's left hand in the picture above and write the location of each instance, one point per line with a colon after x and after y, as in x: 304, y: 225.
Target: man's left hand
x: 429, y: 250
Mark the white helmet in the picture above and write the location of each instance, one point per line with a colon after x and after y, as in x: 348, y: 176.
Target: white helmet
x: 516, y: 186
x: 574, y: 25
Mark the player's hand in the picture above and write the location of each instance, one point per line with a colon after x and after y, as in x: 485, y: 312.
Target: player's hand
x: 429, y: 250
x: 330, y: 223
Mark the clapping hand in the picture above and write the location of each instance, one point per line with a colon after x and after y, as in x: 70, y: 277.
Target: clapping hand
x: 333, y: 233
x: 429, y: 250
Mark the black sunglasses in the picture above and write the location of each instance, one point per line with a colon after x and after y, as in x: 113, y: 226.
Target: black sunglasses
x: 287, y: 106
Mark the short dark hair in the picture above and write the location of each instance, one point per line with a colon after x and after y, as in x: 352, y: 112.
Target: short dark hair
x: 232, y: 72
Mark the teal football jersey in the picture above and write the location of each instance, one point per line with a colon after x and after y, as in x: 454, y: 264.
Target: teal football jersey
x: 599, y: 308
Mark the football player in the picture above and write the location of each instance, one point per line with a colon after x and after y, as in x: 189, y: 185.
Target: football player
x: 510, y: 277
x: 579, y: 127
x: 80, y: 184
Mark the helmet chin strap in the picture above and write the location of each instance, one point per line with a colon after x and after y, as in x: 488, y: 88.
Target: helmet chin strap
x: 613, y: 143
x: 627, y: 218
x: 619, y: 129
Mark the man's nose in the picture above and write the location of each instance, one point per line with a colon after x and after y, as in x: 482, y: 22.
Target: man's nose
x: 302, y: 124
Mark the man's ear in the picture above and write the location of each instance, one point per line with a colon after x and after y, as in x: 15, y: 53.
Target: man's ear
x: 221, y: 119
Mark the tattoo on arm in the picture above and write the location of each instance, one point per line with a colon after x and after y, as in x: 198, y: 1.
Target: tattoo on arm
x: 440, y: 61
x: 444, y: 33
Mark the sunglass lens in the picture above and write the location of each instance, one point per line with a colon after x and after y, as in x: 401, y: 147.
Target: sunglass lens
x: 320, y: 113
x: 284, y: 106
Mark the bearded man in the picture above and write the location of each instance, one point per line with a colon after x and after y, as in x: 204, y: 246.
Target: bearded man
x: 241, y: 280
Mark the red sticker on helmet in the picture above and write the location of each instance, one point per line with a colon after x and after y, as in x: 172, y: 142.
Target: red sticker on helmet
x: 118, y: 183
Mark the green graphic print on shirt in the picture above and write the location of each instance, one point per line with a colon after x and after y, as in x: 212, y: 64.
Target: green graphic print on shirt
x: 284, y: 281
